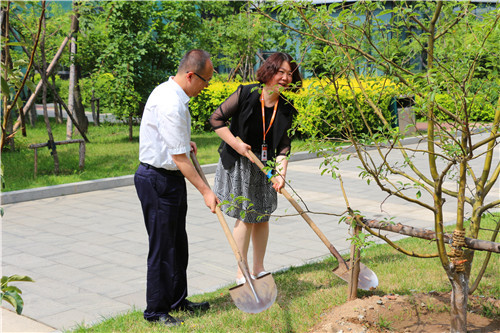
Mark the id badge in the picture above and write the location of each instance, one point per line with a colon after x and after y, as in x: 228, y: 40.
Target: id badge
x: 263, y: 153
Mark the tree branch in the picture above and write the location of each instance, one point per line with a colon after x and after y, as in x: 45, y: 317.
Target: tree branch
x: 471, y: 243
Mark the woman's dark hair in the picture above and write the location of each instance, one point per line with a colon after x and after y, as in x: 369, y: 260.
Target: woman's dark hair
x: 272, y: 65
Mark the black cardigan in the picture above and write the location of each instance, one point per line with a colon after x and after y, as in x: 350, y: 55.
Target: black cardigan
x: 249, y: 96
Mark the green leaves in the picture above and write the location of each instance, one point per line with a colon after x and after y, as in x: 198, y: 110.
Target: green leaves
x: 5, y: 87
x: 12, y: 294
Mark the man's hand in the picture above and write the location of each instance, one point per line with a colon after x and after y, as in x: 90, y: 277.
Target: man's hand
x: 193, y: 147
x: 189, y: 171
x: 211, y: 200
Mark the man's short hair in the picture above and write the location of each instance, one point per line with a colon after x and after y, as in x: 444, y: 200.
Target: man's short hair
x: 194, y: 61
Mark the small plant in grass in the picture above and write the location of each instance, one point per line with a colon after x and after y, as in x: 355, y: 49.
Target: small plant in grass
x: 12, y: 294
x: 489, y: 309
x: 384, y: 323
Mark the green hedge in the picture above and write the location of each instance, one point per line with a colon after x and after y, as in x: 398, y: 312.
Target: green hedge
x: 318, y: 111
x: 203, y: 105
x: 320, y: 115
x: 317, y: 104
x: 481, y: 108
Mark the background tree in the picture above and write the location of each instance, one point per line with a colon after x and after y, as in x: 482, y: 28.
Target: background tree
x: 74, y: 95
x: 137, y: 46
x: 239, y: 38
x: 24, y: 25
x: 455, y: 84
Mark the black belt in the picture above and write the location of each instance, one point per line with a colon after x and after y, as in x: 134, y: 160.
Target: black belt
x: 176, y: 173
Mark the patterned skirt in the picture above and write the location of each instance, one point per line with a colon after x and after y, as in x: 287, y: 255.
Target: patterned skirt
x: 245, y: 181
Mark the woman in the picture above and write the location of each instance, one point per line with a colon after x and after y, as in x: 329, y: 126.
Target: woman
x: 261, y: 117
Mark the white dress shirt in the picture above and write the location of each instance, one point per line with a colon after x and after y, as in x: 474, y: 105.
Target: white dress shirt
x: 165, y: 126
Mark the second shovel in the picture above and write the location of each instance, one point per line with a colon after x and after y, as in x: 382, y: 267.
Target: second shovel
x: 367, y: 279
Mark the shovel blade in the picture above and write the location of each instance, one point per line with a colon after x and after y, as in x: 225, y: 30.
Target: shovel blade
x: 265, y: 294
x: 367, y: 279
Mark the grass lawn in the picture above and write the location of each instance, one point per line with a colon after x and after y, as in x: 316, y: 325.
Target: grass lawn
x: 109, y: 154
x: 305, y: 293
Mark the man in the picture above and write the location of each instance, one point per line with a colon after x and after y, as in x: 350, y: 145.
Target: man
x: 164, y: 146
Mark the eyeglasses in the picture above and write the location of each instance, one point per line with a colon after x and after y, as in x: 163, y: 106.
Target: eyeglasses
x: 198, y: 75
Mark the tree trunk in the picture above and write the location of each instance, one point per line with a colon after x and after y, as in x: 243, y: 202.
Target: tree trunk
x: 92, y: 106
x: 33, y: 115
x: 12, y: 143
x: 6, y: 121
x: 459, y: 295
x: 45, y: 82
x: 57, y: 111
x: 354, y: 266
x: 75, y: 104
x: 32, y: 109
x: 130, y: 128
x: 72, y: 83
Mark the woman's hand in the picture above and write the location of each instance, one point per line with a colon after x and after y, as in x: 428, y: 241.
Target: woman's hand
x: 242, y: 149
x: 281, y: 166
x: 279, y: 183
x: 239, y: 146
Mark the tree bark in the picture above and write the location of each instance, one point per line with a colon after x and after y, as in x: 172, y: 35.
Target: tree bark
x: 130, y: 128
x: 71, y: 92
x: 57, y: 112
x: 354, y: 266
x: 74, y: 96
x: 32, y: 109
x: 459, y: 295
x: 92, y: 106
x: 33, y: 115
x: 7, y: 121
x: 45, y: 82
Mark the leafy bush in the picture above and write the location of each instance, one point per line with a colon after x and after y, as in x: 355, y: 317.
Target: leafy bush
x: 481, y: 108
x: 317, y: 105
x: 101, y: 83
x: 203, y: 105
x: 62, y: 87
x: 319, y: 112
x: 321, y: 115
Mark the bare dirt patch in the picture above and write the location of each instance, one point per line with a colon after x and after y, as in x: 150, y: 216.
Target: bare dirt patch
x: 402, y: 313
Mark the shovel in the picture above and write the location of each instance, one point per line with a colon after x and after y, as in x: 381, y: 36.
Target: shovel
x: 255, y: 295
x: 367, y: 279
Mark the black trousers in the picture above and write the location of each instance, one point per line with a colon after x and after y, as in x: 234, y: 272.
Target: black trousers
x: 164, y: 205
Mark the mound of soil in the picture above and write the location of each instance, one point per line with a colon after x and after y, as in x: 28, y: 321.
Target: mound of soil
x: 396, y: 313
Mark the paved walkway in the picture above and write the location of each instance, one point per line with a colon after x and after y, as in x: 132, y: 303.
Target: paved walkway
x: 87, y: 252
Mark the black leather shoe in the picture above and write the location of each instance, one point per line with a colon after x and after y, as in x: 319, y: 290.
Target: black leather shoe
x: 169, y: 321
x: 192, y: 307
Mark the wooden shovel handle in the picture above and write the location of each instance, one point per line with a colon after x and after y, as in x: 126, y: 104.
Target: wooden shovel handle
x: 299, y: 209
x: 218, y: 211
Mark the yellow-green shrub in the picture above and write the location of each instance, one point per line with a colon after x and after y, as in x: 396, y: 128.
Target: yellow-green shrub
x: 319, y: 111
x: 207, y: 101
x: 321, y: 115
x: 479, y: 108
x: 316, y: 103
